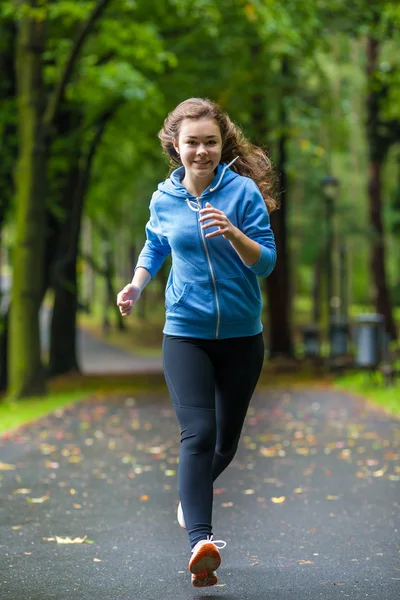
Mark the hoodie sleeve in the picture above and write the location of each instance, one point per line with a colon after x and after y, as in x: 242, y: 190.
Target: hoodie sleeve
x: 256, y: 225
x: 156, y: 248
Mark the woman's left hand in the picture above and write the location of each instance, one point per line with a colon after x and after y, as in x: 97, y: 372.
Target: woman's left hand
x: 220, y: 220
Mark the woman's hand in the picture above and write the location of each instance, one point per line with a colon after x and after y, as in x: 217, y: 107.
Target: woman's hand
x: 127, y: 298
x: 220, y: 220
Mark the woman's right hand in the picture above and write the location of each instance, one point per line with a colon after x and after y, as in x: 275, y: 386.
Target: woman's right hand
x: 127, y: 298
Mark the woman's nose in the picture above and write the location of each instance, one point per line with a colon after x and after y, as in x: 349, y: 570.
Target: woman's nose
x: 201, y: 150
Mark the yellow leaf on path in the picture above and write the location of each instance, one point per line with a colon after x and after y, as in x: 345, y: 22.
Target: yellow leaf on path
x: 68, y: 540
x: 305, y: 562
x: 227, y: 504
x: 7, y: 467
x: 380, y: 472
x: 278, y: 500
x: 144, y: 498
x: 97, y: 560
x: 22, y: 491
x: 38, y: 500
x: 248, y: 492
x: 298, y: 491
x: 332, y: 497
x: 170, y: 473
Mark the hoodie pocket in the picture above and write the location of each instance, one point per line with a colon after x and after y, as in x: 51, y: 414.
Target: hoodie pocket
x: 238, y: 301
x: 195, y: 301
x: 173, y: 298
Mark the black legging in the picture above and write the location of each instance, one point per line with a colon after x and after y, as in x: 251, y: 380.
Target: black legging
x: 211, y: 383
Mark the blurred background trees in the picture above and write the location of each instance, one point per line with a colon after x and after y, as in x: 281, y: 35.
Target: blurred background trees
x: 84, y: 89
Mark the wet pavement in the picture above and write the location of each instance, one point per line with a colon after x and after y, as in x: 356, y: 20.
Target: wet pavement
x: 309, y: 508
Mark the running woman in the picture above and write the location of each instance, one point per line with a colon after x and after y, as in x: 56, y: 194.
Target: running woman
x: 212, y: 215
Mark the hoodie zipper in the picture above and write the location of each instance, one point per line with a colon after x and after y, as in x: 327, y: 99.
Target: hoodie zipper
x: 212, y: 273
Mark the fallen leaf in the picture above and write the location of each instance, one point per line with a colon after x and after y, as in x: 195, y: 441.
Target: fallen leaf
x: 303, y: 451
x: 227, y: 504
x: 380, y: 472
x: 298, y: 491
x: 74, y: 459
x: 68, y: 540
x: 52, y: 465
x: 144, y: 498
x: 305, y: 562
x: 249, y: 492
x: 38, y: 500
x: 7, y: 467
x: 332, y: 497
x: 278, y: 500
x: 97, y: 560
x: 22, y: 491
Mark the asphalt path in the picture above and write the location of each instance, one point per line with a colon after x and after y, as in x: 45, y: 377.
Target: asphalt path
x: 309, y: 508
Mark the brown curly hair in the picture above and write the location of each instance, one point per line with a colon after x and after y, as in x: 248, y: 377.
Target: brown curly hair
x: 253, y: 162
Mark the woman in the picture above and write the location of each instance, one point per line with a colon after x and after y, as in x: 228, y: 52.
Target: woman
x: 212, y: 214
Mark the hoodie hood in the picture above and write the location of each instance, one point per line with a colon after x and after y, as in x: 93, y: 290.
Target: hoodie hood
x: 173, y: 185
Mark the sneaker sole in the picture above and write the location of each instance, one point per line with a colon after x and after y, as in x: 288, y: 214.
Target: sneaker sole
x: 206, y: 560
x: 208, y: 580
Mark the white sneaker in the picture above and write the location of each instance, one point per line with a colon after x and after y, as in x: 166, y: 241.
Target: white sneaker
x: 180, y: 517
x: 205, y: 561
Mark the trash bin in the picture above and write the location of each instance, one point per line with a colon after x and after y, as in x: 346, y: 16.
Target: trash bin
x: 338, y: 337
x: 369, y: 337
x: 311, y: 341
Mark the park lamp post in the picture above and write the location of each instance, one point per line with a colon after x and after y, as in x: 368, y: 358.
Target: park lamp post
x: 329, y: 186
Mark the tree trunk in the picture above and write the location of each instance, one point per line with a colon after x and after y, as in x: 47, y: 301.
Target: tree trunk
x: 26, y: 374
x: 36, y: 124
x: 377, y: 257
x: 3, y: 351
x: 376, y: 156
x: 278, y: 283
x: 62, y: 358
x: 88, y: 277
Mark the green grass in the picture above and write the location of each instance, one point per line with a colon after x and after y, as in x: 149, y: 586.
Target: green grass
x: 372, y: 387
x: 13, y: 414
x: 65, y: 391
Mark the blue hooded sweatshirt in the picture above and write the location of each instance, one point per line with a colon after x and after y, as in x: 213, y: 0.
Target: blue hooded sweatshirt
x: 210, y: 292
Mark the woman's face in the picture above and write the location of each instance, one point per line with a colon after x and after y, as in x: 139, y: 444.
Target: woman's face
x: 199, y: 146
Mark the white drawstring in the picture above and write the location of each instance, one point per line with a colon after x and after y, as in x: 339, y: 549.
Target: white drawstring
x: 222, y: 174
x: 195, y: 206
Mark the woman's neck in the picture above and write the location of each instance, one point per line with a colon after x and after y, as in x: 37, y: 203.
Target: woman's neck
x: 195, y: 186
